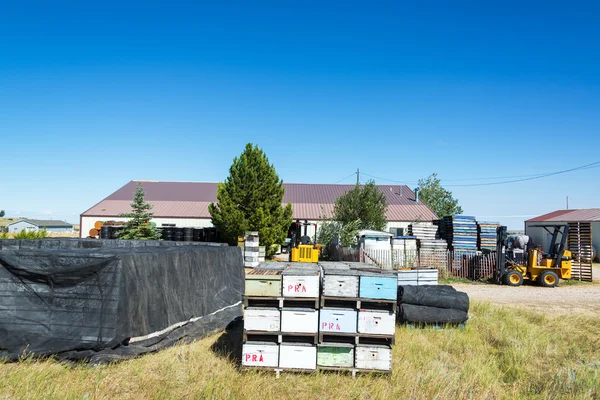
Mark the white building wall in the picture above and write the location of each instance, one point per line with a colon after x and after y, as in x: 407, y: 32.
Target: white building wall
x: 87, y: 223
x: 19, y: 226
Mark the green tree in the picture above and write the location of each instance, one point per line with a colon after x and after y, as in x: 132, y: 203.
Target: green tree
x: 437, y: 198
x: 138, y: 226
x: 2, y: 213
x: 251, y: 199
x: 365, y: 204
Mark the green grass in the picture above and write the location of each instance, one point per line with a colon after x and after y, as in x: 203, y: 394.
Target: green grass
x: 502, y: 353
x: 449, y: 280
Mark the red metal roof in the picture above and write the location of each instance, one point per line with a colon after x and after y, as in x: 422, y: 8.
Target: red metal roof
x: 580, y: 215
x: 309, y: 201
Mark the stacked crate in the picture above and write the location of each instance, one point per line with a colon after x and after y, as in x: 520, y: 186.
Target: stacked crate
x: 357, y: 318
x: 251, y: 250
x: 418, y: 276
x: 281, y: 317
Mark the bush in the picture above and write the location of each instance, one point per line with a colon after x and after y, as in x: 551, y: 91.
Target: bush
x: 30, y: 235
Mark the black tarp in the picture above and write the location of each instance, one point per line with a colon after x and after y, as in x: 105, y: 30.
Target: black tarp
x: 419, y: 315
x: 441, y: 296
x: 108, y: 303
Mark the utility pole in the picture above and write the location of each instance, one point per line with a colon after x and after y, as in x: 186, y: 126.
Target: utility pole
x: 567, y: 202
x: 357, y: 176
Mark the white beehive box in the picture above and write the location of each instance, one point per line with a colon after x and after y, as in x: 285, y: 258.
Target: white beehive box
x: 376, y: 322
x: 373, y: 357
x: 340, y: 320
x: 297, y: 356
x: 408, y: 277
x: 260, y: 354
x: 299, y: 320
x: 340, y: 286
x: 428, y: 276
x: 300, y: 286
x: 262, y: 319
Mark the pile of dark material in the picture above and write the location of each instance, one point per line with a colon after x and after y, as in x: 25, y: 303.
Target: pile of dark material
x: 432, y: 305
x: 111, y: 303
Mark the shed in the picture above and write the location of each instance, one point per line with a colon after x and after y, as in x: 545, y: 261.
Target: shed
x: 35, y: 225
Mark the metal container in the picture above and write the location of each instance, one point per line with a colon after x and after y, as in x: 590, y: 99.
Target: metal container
x: 338, y: 355
x: 298, y: 356
x: 260, y: 354
x: 373, y: 357
x: 341, y: 320
x: 377, y: 322
x: 262, y: 319
x: 299, y: 320
x: 379, y: 287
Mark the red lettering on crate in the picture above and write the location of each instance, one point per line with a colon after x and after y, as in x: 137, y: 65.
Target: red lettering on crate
x: 254, y: 357
x: 297, y: 288
x: 247, y: 357
x: 323, y: 325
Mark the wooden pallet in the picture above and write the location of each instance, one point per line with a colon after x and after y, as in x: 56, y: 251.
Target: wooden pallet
x: 281, y: 337
x: 580, y: 244
x: 352, y: 370
x: 358, y: 303
x: 278, y: 370
x: 281, y: 302
x: 356, y: 338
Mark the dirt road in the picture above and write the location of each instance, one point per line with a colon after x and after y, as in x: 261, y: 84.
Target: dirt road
x: 566, y: 299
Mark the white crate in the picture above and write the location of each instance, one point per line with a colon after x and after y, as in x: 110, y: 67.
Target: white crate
x: 251, y: 264
x: 260, y: 354
x: 297, y: 356
x: 340, y: 286
x: 373, y: 357
x: 339, y: 320
x: 301, y: 286
x: 262, y: 319
x: 299, y: 320
x: 376, y: 322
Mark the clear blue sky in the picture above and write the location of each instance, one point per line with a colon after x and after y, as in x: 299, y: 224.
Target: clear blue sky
x: 95, y: 94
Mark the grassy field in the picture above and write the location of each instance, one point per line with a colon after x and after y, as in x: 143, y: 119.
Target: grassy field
x: 502, y: 353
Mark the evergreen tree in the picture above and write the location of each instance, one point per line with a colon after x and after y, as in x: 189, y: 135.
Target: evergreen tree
x: 437, y: 198
x: 251, y: 199
x: 138, y: 226
x: 2, y: 213
x: 365, y: 204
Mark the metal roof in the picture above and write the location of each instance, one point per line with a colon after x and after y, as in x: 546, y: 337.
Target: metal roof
x: 580, y: 215
x: 48, y: 223
x: 309, y: 201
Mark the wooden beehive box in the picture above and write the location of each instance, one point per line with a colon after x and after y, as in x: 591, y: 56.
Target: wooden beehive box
x: 263, y: 283
x: 341, y: 320
x: 376, y: 322
x: 260, y: 354
x: 301, y: 280
x: 299, y: 320
x: 335, y: 285
x: 335, y: 355
x: 408, y: 277
x: 298, y: 356
x: 383, y: 287
x: 428, y: 276
x: 262, y: 319
x: 373, y: 357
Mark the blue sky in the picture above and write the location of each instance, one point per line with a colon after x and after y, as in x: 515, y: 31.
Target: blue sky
x: 94, y: 95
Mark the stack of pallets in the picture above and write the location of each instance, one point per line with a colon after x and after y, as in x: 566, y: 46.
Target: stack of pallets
x: 357, y: 318
x: 486, y: 235
x: 281, y: 317
x: 460, y: 232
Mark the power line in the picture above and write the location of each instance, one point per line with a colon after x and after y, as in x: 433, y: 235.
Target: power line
x: 523, y: 178
x: 341, y: 180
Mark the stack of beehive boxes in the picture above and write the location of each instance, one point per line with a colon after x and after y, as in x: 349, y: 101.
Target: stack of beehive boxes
x: 251, y: 250
x: 357, y: 318
x: 418, y: 277
x: 281, y: 317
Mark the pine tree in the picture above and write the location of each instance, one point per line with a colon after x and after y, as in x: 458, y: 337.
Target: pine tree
x: 138, y: 226
x: 251, y: 199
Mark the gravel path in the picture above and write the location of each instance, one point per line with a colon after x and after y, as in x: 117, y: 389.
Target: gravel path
x: 573, y: 299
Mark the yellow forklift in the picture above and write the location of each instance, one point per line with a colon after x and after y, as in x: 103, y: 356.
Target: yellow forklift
x: 515, y: 265
x: 301, y: 248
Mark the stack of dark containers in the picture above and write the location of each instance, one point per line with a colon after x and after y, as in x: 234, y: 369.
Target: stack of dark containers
x: 188, y: 234
x: 432, y: 305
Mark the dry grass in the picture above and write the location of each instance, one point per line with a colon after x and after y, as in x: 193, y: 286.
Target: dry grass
x: 50, y: 235
x: 502, y: 353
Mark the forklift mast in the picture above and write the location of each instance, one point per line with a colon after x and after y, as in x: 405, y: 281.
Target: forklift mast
x: 501, y: 242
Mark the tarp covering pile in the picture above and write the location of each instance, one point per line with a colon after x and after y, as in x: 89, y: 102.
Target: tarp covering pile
x: 112, y: 303
x: 436, y: 304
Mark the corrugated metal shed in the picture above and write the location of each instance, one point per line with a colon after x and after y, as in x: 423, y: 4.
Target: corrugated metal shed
x: 309, y: 201
x: 580, y: 215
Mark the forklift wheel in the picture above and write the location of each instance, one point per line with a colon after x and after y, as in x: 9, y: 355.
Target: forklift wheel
x: 513, y: 278
x: 548, y: 279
